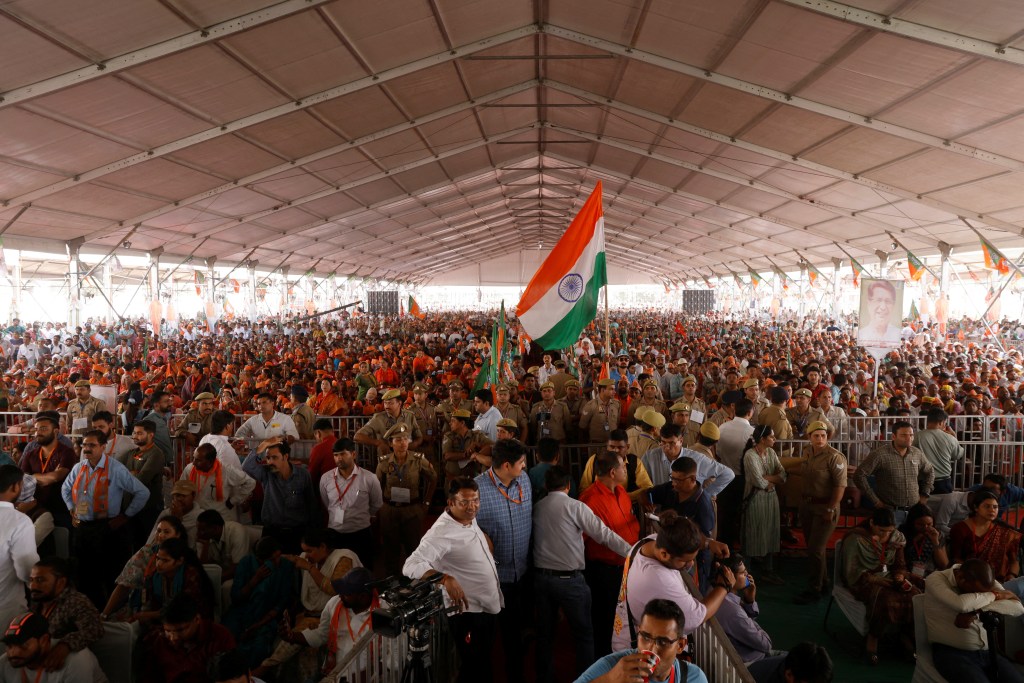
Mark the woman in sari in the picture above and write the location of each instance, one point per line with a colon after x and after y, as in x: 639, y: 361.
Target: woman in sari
x: 873, y: 568
x: 133, y: 577
x: 328, y: 403
x: 925, y: 551
x: 177, y: 570
x: 262, y: 590
x: 983, y: 536
x: 763, y: 473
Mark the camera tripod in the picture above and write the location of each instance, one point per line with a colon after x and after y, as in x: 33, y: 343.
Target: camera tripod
x: 417, y: 667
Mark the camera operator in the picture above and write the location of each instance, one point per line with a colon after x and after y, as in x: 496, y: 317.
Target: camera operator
x: 956, y: 601
x: 456, y: 547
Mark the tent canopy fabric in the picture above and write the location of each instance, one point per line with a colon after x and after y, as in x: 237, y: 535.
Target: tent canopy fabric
x: 405, y: 139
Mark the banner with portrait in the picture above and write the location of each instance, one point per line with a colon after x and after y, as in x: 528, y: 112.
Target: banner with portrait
x: 881, y: 315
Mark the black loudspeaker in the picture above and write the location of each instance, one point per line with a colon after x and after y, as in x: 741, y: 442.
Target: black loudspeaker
x: 382, y: 302
x: 698, y: 301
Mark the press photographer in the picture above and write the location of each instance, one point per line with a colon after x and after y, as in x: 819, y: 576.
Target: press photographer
x: 457, y: 549
x: 957, y: 604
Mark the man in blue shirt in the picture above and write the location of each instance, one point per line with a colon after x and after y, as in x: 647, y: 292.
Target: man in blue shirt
x: 659, y: 631
x: 94, y: 491
x: 288, y: 494
x: 506, y: 516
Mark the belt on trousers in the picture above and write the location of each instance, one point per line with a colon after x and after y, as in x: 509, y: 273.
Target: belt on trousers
x: 401, y: 505
x: 823, y: 500
x: 559, y: 573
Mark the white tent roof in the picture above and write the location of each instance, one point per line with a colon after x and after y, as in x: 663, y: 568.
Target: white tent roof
x: 406, y: 139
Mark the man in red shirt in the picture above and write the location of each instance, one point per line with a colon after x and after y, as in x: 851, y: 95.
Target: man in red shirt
x: 321, y: 456
x: 185, y: 644
x: 608, y: 499
x: 49, y: 460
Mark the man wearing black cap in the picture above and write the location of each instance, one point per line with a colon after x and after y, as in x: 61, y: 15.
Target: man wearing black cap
x: 27, y: 638
x: 344, y: 619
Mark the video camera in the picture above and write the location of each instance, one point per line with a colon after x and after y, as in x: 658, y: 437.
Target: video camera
x: 411, y: 604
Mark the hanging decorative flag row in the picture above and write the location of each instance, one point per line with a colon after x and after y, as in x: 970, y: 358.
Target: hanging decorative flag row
x: 915, y: 266
x: 994, y: 260
x: 200, y: 280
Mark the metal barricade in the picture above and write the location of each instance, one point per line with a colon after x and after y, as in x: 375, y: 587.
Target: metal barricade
x: 377, y: 659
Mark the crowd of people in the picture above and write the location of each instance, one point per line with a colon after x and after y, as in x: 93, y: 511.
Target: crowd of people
x: 231, y: 493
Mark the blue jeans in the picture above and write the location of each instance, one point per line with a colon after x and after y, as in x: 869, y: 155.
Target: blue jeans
x: 573, y: 595
x: 971, y: 666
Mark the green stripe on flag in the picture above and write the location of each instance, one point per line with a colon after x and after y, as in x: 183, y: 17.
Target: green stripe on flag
x: 567, y: 331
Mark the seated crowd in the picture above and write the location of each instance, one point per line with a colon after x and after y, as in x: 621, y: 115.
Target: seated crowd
x: 197, y: 522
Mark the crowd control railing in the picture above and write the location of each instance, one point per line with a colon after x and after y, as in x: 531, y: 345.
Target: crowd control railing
x: 378, y: 659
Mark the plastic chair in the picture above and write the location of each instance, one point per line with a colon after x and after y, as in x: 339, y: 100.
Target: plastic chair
x: 215, y: 573
x: 855, y: 611
x: 115, y: 651
x: 924, y: 670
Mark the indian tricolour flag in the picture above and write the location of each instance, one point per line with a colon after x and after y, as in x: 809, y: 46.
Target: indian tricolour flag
x: 561, y: 299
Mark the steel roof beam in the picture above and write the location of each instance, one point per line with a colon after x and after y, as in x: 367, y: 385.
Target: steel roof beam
x: 274, y: 112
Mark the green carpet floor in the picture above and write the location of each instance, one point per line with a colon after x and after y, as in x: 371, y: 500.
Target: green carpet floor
x: 789, y: 624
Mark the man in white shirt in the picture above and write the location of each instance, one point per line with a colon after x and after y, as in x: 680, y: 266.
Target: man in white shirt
x: 218, y: 487
x: 352, y: 496
x: 456, y: 548
x: 221, y: 542
x: 268, y: 423
x: 487, y: 414
x: 732, y: 440
x: 954, y: 601
x: 18, y: 544
x: 229, y: 451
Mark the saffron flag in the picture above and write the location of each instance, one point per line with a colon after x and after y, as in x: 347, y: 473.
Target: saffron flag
x: 915, y: 265
x: 414, y: 309
x: 994, y: 260
x: 236, y: 285
x: 561, y: 298
x: 857, y: 270
x: 813, y: 274
x: 755, y: 278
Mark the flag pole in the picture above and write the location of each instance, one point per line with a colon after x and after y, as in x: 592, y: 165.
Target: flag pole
x: 607, y: 328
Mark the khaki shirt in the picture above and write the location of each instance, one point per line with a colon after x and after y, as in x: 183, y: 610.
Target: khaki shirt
x: 409, y: 475
x: 554, y: 427
x: 597, y: 420
x: 381, y: 422
x: 454, y: 442
x: 193, y: 417
x: 426, y: 418
x: 513, y: 411
x: 445, y: 409
x: 304, y: 417
x: 799, y: 423
x: 640, y: 442
x: 823, y: 472
x: 560, y: 379
x: 78, y: 410
x: 760, y: 404
x: 658, y: 405
x: 775, y: 417
x: 720, y: 417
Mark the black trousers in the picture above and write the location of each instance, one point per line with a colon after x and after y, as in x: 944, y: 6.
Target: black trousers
x: 474, y: 640
x: 360, y: 542
x: 511, y: 621
x: 604, y: 581
x: 102, y: 553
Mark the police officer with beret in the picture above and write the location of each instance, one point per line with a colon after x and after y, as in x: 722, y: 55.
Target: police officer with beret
x: 407, y: 480
x: 824, y: 482
x: 466, y: 453
x: 600, y: 416
x: 372, y: 433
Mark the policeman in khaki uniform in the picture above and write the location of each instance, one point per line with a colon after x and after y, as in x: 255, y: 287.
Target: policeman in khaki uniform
x: 600, y: 416
x: 680, y: 415
x: 426, y: 419
x: 824, y: 482
x: 407, y: 480
x: 455, y: 401
x: 196, y: 423
x: 372, y: 433
x: 508, y: 430
x: 803, y: 414
x: 645, y: 434
x: 549, y: 417
x: 574, y: 402
x: 752, y: 390
x: 775, y: 417
x: 466, y: 453
x: 648, y: 399
x: 697, y: 405
x: 511, y: 410
x: 82, y: 408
